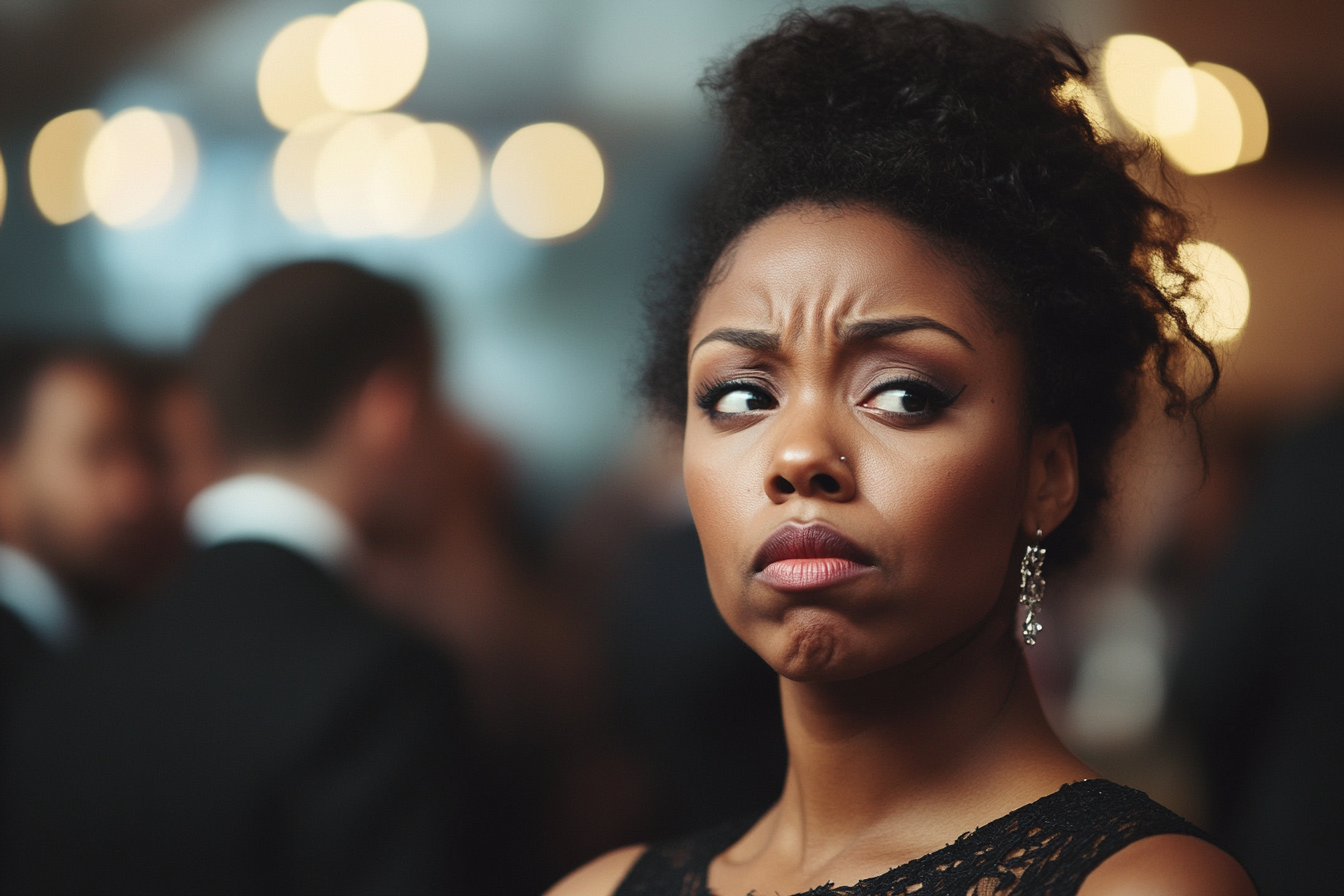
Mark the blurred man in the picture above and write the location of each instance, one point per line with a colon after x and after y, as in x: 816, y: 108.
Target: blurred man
x: 256, y: 729
x: 76, y: 497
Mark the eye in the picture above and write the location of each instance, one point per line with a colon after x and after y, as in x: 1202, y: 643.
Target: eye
x: 728, y: 399
x: 901, y: 400
x: 911, y: 398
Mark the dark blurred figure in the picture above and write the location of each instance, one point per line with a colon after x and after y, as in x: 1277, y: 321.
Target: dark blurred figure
x: 1260, y: 680
x: 77, y: 505
x: 187, y: 453
x: 699, y: 709
x: 689, y: 722
x: 256, y: 728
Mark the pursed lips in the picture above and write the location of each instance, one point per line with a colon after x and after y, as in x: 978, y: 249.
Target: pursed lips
x: 804, y: 557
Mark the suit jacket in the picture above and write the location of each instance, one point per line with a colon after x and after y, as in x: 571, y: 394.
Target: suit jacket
x: 253, y: 730
x: 20, y: 651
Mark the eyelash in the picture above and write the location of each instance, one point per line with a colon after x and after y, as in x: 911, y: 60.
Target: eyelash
x: 709, y: 395
x: 939, y: 399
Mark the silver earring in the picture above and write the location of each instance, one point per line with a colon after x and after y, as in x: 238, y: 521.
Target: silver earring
x: 1033, y: 588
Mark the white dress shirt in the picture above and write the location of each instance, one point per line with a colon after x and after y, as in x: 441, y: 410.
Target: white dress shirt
x: 35, y: 596
x: 261, y: 507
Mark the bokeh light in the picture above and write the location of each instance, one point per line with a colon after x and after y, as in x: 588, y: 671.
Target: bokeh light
x: 140, y: 167
x: 1254, y: 116
x: 547, y: 180
x: 287, y: 84
x: 56, y: 165
x: 4, y: 189
x: 1175, y: 103
x: 1220, y: 300
x: 343, y: 177
x: 1212, y: 142
x: 1134, y: 68
x: 372, y: 55
x: 426, y: 180
x: 294, y: 167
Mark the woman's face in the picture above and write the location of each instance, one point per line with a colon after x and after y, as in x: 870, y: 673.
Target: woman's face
x: 857, y: 457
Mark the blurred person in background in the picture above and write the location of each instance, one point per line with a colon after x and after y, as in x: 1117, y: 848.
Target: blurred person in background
x: 1259, y: 680
x: 256, y: 728
x: 78, y: 510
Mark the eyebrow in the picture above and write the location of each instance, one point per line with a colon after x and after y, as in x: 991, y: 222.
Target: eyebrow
x: 864, y: 330
x: 860, y: 331
x: 756, y: 340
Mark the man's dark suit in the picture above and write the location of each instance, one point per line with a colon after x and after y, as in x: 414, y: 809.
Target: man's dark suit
x: 20, y: 650
x: 254, y: 730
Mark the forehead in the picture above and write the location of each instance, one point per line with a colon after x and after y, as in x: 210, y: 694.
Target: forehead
x: 812, y: 269
x: 74, y: 392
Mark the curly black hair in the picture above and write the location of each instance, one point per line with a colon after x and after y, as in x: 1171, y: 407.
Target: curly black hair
x: 968, y: 136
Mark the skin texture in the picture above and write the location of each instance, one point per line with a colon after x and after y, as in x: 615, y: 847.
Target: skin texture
x: 76, y: 489
x: 908, y: 710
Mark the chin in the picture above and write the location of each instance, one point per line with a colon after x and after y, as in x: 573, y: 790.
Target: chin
x: 816, y: 645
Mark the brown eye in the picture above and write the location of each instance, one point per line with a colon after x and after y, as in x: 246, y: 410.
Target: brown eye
x: 742, y: 401
x: 901, y: 400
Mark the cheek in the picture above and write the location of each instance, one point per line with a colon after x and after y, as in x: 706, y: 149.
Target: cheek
x: 720, y: 493
x: 955, y: 509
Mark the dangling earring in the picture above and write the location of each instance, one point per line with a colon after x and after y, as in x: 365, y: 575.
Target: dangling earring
x: 1033, y: 588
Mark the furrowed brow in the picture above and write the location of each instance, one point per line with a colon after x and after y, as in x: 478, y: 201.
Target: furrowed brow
x: 865, y: 330
x: 756, y: 340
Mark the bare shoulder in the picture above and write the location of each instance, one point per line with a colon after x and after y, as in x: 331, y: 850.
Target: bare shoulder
x: 601, y: 876
x: 1169, y: 865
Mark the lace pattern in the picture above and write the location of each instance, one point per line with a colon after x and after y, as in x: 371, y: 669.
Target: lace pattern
x: 1047, y: 847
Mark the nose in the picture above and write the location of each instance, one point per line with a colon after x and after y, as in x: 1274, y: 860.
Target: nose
x: 807, y: 462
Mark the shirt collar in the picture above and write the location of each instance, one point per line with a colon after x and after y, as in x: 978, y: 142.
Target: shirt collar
x: 35, y: 596
x: 262, y: 507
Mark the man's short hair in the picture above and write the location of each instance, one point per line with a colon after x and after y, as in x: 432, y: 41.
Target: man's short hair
x: 279, y: 359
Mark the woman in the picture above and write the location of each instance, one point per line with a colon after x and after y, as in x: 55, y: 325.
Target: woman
x: 913, y: 321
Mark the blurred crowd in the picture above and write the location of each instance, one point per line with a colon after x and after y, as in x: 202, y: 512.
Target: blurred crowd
x: 271, y: 617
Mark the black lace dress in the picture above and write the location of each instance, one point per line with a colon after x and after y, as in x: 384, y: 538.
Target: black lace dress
x: 1046, y: 848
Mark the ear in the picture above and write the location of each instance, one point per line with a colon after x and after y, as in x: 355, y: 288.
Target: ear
x: 384, y: 413
x: 1052, y: 478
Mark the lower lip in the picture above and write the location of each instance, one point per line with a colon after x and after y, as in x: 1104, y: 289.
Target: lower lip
x: 811, y: 573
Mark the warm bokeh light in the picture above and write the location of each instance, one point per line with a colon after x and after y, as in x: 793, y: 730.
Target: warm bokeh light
x: 372, y: 55
x: 294, y: 168
x: 1076, y: 91
x: 1221, y: 299
x: 342, y: 179
x: 547, y: 180
x: 1134, y: 67
x: 1213, y: 140
x: 140, y: 167
x: 1254, y: 116
x: 287, y: 76
x: 56, y: 165
x: 4, y: 189
x: 426, y: 181
x: 1175, y: 103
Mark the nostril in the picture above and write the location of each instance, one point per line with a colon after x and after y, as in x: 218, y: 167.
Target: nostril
x: 783, y: 485
x: 826, y: 483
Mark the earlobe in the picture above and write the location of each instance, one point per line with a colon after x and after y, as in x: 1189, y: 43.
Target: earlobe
x: 1052, y: 487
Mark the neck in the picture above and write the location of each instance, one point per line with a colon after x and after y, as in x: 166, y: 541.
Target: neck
x: 958, y: 730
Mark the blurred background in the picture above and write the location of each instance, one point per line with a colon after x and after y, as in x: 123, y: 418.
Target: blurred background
x: 526, y: 163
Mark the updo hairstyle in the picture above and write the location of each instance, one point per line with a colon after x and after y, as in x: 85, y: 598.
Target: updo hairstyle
x: 963, y: 134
